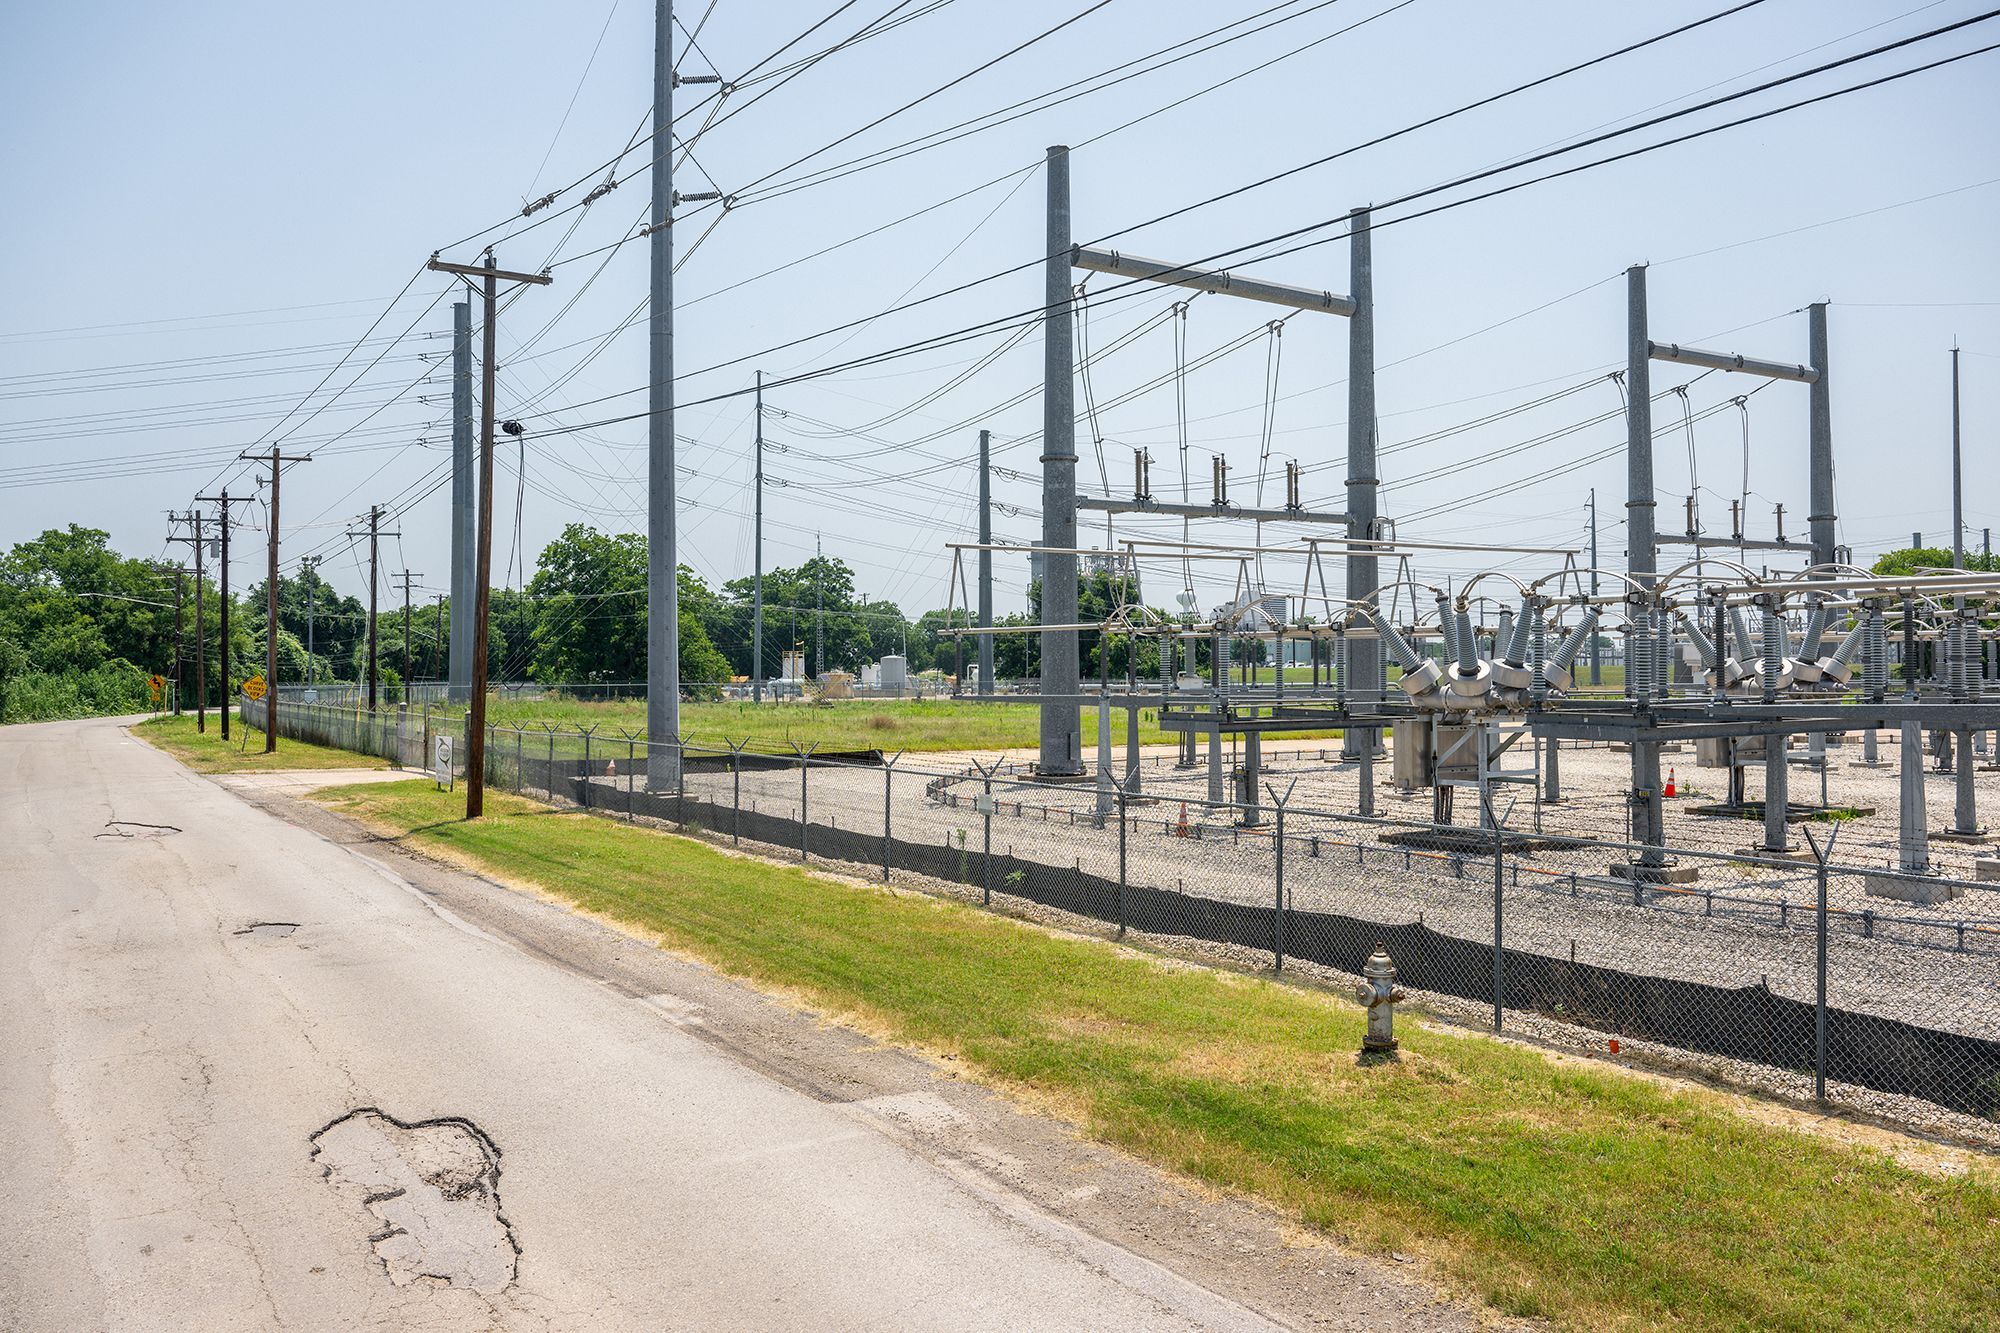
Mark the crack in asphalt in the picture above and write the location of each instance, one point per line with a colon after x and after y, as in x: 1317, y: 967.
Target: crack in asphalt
x: 123, y: 828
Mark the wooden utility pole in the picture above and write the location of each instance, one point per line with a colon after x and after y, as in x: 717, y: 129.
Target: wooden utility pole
x: 195, y: 516
x: 224, y: 500
x: 180, y: 631
x: 475, y: 722
x: 278, y: 461
x: 406, y: 576
x: 374, y: 535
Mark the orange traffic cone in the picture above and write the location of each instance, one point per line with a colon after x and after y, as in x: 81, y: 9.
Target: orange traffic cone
x: 1670, y: 782
x: 1181, y: 827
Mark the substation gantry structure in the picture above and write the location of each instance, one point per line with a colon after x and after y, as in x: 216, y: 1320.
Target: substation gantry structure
x: 1730, y: 659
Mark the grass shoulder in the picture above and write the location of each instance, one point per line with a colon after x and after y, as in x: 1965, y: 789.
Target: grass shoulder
x: 243, y: 752
x: 1548, y: 1187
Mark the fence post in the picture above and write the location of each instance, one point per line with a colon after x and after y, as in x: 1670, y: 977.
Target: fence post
x: 552, y: 766
x: 805, y: 818
x: 631, y: 765
x: 888, y: 800
x: 1499, y: 920
x: 1121, y: 862
x: 586, y: 770
x: 1820, y: 855
x: 1278, y: 914
x: 520, y: 772
x: 736, y: 794
x: 680, y: 782
x: 986, y: 857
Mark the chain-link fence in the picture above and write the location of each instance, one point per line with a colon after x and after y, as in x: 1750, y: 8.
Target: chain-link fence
x: 1803, y: 979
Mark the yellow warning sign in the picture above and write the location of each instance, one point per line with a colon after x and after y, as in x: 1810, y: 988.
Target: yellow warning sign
x: 158, y: 684
x: 254, y: 687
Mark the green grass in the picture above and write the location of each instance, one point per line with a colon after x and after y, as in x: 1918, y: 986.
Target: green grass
x: 1548, y: 1186
x: 243, y: 752
x: 891, y: 725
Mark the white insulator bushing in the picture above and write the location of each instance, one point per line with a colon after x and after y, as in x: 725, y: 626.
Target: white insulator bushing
x: 1704, y: 649
x: 1517, y: 642
x: 1392, y: 638
x: 1468, y: 645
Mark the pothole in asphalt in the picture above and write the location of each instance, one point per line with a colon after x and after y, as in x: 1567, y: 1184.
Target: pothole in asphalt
x: 132, y: 828
x: 433, y: 1190
x: 277, y: 929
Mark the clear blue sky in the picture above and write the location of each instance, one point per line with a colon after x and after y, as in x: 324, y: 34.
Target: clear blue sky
x: 210, y: 203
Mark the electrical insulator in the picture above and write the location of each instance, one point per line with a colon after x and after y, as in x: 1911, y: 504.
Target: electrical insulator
x: 1142, y: 481
x: 1220, y: 471
x: 1292, y: 484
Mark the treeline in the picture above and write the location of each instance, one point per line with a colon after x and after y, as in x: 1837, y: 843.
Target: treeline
x: 83, y: 629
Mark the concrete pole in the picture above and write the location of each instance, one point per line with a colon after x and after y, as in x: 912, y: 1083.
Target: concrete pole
x: 1596, y: 648
x: 985, y: 562
x: 757, y: 575
x: 1957, y: 481
x: 1062, y: 724
x: 1364, y: 654
x: 1819, y: 397
x: 464, y: 504
x: 663, y: 600
x: 1914, y: 843
x: 1649, y: 817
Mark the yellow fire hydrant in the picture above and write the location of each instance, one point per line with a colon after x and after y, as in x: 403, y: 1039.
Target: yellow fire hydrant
x: 1379, y: 992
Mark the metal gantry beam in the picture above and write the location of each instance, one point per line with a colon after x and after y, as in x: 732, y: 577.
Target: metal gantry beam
x: 1747, y: 365
x: 1152, y: 506
x: 1222, y: 281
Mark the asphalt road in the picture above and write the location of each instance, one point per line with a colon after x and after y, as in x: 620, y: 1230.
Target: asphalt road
x: 253, y: 1078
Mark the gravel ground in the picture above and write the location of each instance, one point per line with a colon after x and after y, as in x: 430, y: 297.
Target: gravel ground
x: 1904, y: 1113
x: 1909, y: 970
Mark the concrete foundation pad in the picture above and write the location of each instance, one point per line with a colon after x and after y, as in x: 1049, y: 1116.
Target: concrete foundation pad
x: 1796, y: 812
x: 1655, y: 874
x: 1986, y: 869
x: 1953, y: 835
x: 1919, y: 889
x: 1473, y: 841
x: 1803, y: 854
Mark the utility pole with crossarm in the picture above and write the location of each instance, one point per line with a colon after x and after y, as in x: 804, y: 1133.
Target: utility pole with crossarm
x: 488, y: 288
x: 277, y: 461
x: 224, y: 500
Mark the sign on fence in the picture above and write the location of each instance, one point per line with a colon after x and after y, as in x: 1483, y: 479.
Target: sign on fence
x: 254, y: 687
x: 441, y: 760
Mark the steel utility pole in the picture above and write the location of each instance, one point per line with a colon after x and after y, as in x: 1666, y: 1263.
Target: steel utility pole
x: 663, y: 601
x: 278, y: 461
x: 757, y: 567
x: 1596, y: 648
x: 1364, y: 655
x: 408, y: 666
x: 475, y: 722
x: 986, y: 561
x: 374, y: 535
x: 195, y: 517
x: 224, y: 500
